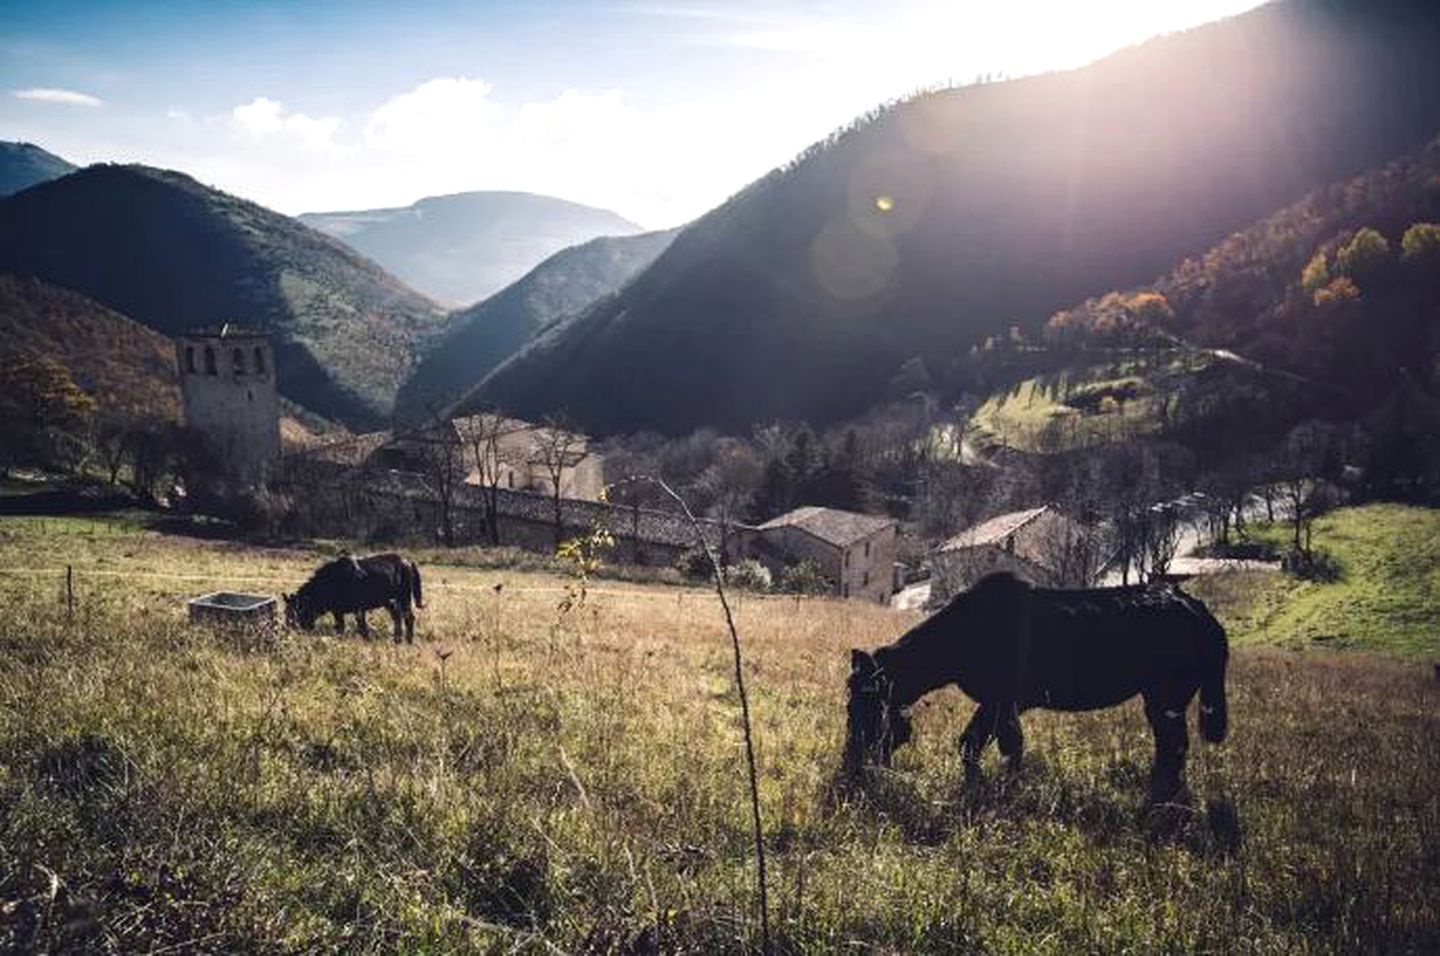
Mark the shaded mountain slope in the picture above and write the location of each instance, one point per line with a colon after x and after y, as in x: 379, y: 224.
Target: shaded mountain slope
x: 173, y: 254
x: 462, y: 248
x: 484, y: 335
x: 934, y: 223
x: 22, y: 165
x: 117, y: 361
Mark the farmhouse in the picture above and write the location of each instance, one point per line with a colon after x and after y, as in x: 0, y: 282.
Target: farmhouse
x: 855, y: 551
x: 1039, y: 544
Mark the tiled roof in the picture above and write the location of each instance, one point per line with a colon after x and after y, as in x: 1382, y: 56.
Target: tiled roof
x: 831, y: 525
x: 993, y: 531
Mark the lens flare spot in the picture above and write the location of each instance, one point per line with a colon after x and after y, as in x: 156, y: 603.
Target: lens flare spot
x: 884, y: 203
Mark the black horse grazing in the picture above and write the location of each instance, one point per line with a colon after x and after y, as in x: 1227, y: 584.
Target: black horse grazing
x: 1011, y: 646
x: 350, y: 585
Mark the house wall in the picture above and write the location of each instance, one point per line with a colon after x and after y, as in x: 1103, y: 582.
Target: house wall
x: 868, y: 567
x: 789, y: 544
x: 956, y: 570
x: 519, y: 471
x: 862, y: 570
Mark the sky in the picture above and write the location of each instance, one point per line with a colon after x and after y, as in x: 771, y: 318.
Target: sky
x: 657, y: 109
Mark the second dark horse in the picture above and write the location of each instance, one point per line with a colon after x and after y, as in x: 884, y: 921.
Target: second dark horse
x: 1010, y: 646
x: 350, y: 585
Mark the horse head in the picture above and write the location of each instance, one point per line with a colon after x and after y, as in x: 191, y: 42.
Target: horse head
x: 876, y: 725
x: 299, y: 611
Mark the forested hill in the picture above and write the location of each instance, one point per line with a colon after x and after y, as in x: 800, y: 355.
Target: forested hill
x: 124, y: 366
x: 173, y: 254
x: 462, y: 248
x: 1342, y: 287
x: 22, y: 165
x: 484, y: 335
x: 955, y: 214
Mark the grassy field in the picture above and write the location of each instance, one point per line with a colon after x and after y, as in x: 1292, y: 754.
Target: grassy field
x: 1387, y: 597
x: 1070, y: 409
x: 528, y: 779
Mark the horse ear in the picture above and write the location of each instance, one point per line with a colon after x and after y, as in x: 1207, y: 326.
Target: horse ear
x: 861, y: 662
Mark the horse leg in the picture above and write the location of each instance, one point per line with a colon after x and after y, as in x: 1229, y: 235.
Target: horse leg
x: 973, y: 740
x: 1166, y: 713
x: 364, y: 625
x: 394, y: 608
x: 339, y: 622
x: 1012, y: 738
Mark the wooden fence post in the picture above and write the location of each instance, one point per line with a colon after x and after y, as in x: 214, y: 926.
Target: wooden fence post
x: 69, y: 590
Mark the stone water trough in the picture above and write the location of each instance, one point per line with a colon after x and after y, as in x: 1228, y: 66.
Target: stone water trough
x: 233, y: 610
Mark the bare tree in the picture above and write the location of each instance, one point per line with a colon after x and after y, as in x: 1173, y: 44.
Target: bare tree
x: 440, y: 455
x: 1303, y: 489
x: 1161, y: 530
x: 732, y: 481
x: 484, y: 435
x: 558, y: 448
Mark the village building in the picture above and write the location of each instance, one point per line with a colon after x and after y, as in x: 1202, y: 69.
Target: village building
x: 514, y: 454
x: 227, y: 383
x: 521, y: 456
x: 1040, y: 545
x: 854, y: 551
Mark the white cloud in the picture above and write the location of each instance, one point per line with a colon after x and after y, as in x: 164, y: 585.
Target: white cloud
x: 655, y: 165
x: 264, y: 118
x: 445, y: 113
x: 44, y: 94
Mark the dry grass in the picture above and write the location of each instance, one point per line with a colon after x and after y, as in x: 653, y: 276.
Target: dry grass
x: 526, y: 778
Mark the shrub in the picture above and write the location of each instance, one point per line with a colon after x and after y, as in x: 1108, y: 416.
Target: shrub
x: 804, y: 577
x: 749, y: 575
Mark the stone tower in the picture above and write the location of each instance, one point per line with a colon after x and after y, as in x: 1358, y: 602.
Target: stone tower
x: 227, y: 379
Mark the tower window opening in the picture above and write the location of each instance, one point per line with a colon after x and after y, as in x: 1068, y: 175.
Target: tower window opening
x: 237, y: 357
x: 190, y: 359
x: 259, y: 360
x: 210, y: 361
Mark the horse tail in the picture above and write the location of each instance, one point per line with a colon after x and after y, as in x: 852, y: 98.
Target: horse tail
x: 1214, y: 716
x: 415, y: 584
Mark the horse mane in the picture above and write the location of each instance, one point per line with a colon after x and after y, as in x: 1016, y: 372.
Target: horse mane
x: 325, y: 572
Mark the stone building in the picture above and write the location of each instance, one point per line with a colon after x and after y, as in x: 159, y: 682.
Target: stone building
x: 855, y: 551
x: 526, y: 457
x: 522, y: 456
x: 227, y: 381
x: 1040, y: 545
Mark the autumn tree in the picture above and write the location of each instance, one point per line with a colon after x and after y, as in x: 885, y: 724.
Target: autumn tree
x: 1421, y: 243
x: 1363, y: 255
x: 44, y: 414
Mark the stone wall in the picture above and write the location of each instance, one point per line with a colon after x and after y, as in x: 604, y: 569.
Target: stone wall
x: 229, y: 390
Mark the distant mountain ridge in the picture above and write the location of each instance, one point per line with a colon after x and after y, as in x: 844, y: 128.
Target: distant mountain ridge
x: 173, y: 254
x: 22, y: 165
x: 486, y: 334
x: 460, y: 249
x: 947, y: 218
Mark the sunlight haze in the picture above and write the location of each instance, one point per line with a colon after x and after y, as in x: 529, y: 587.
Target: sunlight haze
x: 658, y: 111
